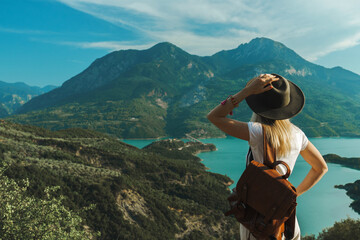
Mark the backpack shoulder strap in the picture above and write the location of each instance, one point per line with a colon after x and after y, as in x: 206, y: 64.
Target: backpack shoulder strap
x: 269, y: 153
x: 290, y: 226
x: 249, y: 156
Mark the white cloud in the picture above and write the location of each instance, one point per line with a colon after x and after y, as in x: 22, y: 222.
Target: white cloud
x: 109, y: 45
x: 312, y: 28
x: 25, y: 31
x: 347, y: 42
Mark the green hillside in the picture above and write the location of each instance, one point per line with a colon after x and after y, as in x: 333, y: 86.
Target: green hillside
x: 164, y: 91
x: 161, y: 192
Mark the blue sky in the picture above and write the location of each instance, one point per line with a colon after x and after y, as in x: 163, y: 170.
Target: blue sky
x: 49, y: 41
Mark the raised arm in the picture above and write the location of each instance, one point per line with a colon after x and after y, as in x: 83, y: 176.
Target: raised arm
x: 234, y: 128
x: 317, y: 171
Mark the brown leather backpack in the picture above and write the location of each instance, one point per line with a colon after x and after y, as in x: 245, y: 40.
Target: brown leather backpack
x: 263, y: 200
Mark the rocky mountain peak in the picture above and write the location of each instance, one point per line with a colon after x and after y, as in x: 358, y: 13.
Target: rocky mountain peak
x: 165, y: 50
x: 258, y: 50
x: 164, y: 45
x: 264, y: 49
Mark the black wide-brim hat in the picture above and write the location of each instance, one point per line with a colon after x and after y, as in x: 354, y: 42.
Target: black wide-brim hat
x: 285, y: 100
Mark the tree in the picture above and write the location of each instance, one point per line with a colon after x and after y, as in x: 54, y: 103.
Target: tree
x: 24, y: 217
x: 348, y: 229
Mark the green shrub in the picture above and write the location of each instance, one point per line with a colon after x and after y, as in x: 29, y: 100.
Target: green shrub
x: 24, y: 217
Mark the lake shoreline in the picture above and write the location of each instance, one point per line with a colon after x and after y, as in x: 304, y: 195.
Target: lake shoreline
x: 203, y: 138
x: 229, y: 160
x: 351, y: 189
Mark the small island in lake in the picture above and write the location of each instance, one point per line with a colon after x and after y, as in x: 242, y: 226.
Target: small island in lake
x: 346, y: 162
x: 352, y: 189
x: 176, y: 148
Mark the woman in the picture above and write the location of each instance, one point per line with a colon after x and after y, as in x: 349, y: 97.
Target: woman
x: 273, y: 100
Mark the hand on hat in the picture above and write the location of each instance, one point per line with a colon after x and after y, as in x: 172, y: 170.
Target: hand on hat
x: 261, y: 83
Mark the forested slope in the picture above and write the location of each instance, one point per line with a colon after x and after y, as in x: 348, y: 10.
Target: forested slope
x: 138, y: 194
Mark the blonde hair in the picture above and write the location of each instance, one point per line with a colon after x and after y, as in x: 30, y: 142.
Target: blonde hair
x: 278, y: 133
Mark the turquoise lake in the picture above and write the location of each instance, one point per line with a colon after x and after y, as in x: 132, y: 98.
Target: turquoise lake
x: 318, y: 208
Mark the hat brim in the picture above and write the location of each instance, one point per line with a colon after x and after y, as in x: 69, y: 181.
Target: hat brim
x: 296, y: 104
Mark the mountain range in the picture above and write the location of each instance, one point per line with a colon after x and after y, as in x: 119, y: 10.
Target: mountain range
x: 165, y: 91
x: 14, y: 95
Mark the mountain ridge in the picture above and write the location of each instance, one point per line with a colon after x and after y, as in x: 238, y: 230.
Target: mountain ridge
x: 165, y: 91
x: 93, y: 77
